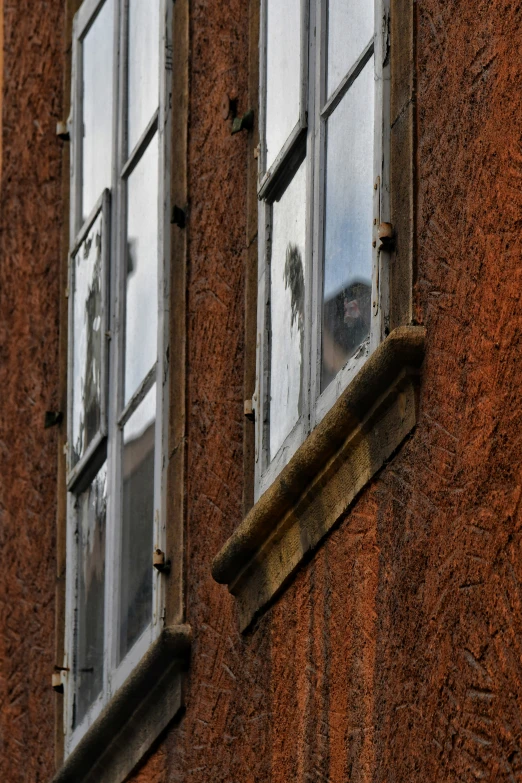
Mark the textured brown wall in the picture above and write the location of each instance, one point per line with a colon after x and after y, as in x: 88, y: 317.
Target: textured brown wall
x: 30, y: 221
x: 1, y: 78
x: 394, y: 655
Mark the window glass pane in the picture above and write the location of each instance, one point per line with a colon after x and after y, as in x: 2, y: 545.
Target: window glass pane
x: 350, y: 29
x: 141, y: 322
x: 87, y: 340
x: 143, y: 74
x: 287, y: 296
x: 283, y: 78
x: 98, y: 47
x: 92, y: 509
x: 348, y: 226
x: 138, y: 519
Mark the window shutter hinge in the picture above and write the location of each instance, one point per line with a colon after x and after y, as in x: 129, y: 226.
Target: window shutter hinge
x: 67, y: 292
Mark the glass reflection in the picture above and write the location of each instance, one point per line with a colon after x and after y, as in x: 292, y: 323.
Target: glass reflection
x: 287, y: 295
x: 283, y: 77
x: 87, y: 340
x: 98, y: 55
x: 138, y: 519
x: 92, y: 512
x: 141, y: 319
x: 143, y: 73
x: 348, y: 227
x: 350, y: 29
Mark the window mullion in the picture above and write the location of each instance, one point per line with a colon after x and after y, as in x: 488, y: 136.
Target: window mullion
x: 380, y: 325
x: 312, y: 16
x: 115, y: 395
x: 77, y: 122
x: 318, y: 152
x: 164, y: 253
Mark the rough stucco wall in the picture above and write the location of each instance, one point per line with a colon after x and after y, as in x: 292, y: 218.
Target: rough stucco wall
x: 395, y: 654
x: 1, y: 77
x: 449, y: 525
x: 30, y: 219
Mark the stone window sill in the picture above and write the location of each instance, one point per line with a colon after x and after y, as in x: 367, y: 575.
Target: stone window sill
x: 357, y: 436
x: 136, y: 715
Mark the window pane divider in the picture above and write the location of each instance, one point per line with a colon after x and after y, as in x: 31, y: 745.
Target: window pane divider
x: 138, y: 396
x: 282, y: 170
x: 84, y: 470
x: 348, y: 80
x: 86, y: 15
x: 87, y: 225
x: 141, y: 146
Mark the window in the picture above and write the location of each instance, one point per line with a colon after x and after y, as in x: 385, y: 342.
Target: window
x: 118, y: 337
x: 339, y: 355
x: 324, y: 197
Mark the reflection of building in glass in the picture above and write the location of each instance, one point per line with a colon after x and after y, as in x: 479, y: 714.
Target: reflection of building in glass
x: 138, y: 510
x: 88, y: 307
x: 346, y: 325
x: 93, y: 306
x: 294, y: 280
x: 91, y: 589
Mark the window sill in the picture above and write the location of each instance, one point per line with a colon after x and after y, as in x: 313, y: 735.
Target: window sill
x: 366, y: 425
x: 136, y: 715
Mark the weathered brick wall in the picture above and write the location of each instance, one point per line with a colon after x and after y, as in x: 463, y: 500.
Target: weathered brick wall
x: 30, y: 221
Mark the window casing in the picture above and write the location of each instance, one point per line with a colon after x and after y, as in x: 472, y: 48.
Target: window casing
x: 118, y: 344
x: 324, y: 181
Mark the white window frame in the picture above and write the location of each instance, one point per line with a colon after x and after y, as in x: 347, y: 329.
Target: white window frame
x: 309, y: 139
x: 114, y: 414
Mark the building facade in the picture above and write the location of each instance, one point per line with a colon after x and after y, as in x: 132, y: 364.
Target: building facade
x: 370, y: 536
